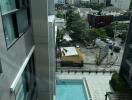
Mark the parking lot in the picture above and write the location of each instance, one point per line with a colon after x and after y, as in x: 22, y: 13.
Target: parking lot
x: 109, y: 62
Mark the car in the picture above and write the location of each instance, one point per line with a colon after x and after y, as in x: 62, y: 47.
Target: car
x: 77, y: 46
x: 108, y: 41
x: 117, y: 49
x: 110, y: 47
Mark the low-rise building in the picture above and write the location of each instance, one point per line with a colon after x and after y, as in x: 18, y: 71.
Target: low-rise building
x: 122, y: 4
x: 96, y: 20
x: 59, y: 22
x: 112, y: 11
x: 59, y: 1
x: 84, y: 12
x: 71, y: 56
x: 97, y: 1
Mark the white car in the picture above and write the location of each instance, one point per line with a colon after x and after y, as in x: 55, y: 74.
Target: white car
x: 110, y: 42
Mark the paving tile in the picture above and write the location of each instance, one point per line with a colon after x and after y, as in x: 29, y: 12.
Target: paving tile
x: 98, y: 83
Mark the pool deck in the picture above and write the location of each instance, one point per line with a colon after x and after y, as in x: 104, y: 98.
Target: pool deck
x: 98, y: 84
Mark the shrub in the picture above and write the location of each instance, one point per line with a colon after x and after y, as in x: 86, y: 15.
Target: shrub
x: 119, y: 84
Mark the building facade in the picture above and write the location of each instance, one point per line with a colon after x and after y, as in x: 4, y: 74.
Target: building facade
x: 122, y: 4
x: 71, y: 1
x: 126, y: 65
x: 97, y: 1
x: 27, y: 50
x: 60, y: 1
x: 99, y: 20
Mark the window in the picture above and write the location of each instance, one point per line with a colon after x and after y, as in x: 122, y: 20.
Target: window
x: 9, y: 29
x: 7, y: 5
x: 16, y: 18
x: 22, y: 21
x: 20, y: 95
x: 27, y: 82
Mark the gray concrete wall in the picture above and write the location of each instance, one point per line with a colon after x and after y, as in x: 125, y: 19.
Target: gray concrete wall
x: 52, y: 54
x: 41, y: 37
x: 12, y: 59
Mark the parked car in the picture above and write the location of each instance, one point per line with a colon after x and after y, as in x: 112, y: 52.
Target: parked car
x: 109, y: 41
x: 117, y: 49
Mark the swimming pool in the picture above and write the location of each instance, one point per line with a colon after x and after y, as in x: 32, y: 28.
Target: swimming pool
x: 70, y: 90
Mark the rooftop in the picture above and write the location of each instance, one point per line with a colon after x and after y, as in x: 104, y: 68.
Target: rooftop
x: 69, y: 51
x: 59, y: 20
x: 67, y: 37
x: 113, y: 9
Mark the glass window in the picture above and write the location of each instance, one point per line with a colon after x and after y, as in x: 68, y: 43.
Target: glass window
x: 21, y: 3
x: 26, y: 84
x: 17, y: 21
x: 22, y: 21
x: 7, y: 5
x: 21, y: 91
x: 8, y: 29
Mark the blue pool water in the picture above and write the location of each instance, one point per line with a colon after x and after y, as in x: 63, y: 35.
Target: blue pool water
x: 70, y: 90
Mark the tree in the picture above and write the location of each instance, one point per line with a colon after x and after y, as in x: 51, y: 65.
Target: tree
x: 123, y: 36
x: 101, y: 33
x: 60, y: 14
x: 59, y: 37
x: 109, y: 30
x: 95, y: 6
x: 130, y: 7
x: 75, y: 23
x: 91, y: 34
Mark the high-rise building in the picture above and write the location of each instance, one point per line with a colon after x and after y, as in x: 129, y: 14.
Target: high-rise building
x: 27, y: 50
x: 126, y: 66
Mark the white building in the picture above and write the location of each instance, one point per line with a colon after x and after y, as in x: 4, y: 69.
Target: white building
x: 122, y: 4
x: 112, y: 11
x: 71, y: 1
x: 85, y: 11
x: 59, y: 22
x: 59, y: 1
x: 97, y: 1
x: 101, y: 1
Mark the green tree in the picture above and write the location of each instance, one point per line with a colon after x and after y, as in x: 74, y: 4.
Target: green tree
x: 93, y: 6
x: 91, y: 34
x: 59, y: 37
x: 109, y: 30
x: 130, y: 5
x: 75, y: 24
x: 101, y: 33
x: 60, y: 14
